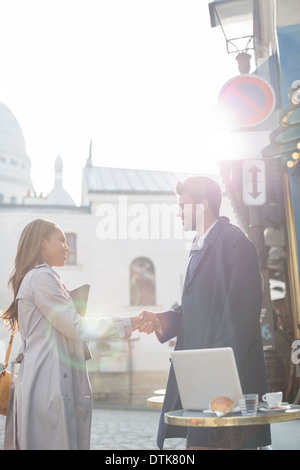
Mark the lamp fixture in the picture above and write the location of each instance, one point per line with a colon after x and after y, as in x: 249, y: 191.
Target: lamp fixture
x: 237, y: 21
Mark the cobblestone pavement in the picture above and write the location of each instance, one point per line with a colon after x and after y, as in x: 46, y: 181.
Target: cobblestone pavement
x: 127, y: 429
x: 114, y: 429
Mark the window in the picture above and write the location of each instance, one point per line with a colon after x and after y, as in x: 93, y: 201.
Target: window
x: 1, y: 199
x: 71, y: 240
x: 142, y: 282
x: 13, y: 200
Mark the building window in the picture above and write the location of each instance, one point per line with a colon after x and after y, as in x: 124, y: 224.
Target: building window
x: 13, y: 200
x: 1, y: 198
x: 142, y: 282
x: 71, y: 240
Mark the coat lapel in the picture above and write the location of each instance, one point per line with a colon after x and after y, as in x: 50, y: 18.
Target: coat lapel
x: 193, y: 264
x: 210, y: 240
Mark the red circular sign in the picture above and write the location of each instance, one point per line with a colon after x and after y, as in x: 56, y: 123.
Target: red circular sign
x: 247, y: 100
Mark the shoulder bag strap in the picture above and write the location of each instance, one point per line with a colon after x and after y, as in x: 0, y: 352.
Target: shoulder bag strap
x: 9, y: 347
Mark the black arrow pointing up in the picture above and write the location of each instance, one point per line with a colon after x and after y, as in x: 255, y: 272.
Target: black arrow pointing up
x: 255, y: 193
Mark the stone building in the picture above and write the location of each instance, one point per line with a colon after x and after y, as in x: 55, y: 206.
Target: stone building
x: 125, y: 241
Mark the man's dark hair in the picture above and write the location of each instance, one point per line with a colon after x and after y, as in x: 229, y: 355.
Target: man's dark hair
x: 199, y: 188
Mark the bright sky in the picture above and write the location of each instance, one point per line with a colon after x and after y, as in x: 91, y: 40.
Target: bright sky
x: 138, y: 77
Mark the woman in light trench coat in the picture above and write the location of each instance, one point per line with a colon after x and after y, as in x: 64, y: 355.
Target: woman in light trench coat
x: 50, y: 404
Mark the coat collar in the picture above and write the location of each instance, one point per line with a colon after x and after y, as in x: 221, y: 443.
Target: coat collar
x: 212, y: 234
x: 217, y: 229
x: 46, y: 265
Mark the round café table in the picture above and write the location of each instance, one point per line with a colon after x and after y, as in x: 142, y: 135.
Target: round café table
x: 200, y: 418
x: 155, y: 402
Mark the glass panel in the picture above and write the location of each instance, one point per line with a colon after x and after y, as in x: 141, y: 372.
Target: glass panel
x: 142, y: 282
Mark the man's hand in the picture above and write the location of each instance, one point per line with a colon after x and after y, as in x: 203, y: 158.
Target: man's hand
x: 149, y: 322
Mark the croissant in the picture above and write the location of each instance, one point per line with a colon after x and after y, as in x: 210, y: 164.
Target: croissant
x: 223, y: 404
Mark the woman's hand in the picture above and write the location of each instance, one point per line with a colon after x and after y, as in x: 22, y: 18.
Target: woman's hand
x: 135, y: 322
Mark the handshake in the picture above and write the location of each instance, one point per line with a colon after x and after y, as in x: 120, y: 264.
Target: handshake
x: 145, y: 322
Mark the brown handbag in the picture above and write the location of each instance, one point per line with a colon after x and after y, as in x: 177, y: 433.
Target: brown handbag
x: 5, y: 378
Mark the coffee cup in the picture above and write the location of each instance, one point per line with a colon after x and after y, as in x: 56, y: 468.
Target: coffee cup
x: 273, y: 399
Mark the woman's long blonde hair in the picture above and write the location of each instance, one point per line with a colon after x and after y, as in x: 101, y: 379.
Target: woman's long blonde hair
x: 29, y: 254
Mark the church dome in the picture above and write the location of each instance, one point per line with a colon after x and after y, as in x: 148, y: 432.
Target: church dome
x: 15, y: 165
x: 11, y: 136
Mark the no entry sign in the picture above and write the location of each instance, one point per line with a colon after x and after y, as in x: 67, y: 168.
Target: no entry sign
x: 247, y: 100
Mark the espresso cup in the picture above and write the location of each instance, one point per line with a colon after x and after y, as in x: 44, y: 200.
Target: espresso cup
x: 273, y: 399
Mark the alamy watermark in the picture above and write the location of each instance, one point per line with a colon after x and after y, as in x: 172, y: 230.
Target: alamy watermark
x: 153, y: 221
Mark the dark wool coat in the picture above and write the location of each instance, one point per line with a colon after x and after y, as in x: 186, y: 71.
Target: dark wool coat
x: 221, y: 305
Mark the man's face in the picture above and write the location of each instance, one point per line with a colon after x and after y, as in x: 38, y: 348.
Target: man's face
x: 191, y: 214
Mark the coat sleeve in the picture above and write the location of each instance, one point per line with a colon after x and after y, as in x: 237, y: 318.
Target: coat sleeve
x: 56, y: 305
x: 241, y: 315
x: 171, y: 323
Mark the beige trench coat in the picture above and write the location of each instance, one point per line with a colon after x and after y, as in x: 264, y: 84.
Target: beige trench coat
x: 51, y: 403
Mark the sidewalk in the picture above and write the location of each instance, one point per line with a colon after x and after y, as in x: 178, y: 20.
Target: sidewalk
x: 131, y: 429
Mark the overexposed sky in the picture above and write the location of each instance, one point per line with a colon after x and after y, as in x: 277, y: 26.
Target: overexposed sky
x: 138, y: 77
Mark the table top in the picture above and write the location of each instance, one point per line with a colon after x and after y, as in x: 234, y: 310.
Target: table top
x: 155, y: 402
x: 200, y: 418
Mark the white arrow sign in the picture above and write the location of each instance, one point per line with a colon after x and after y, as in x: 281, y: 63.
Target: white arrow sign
x: 254, y: 182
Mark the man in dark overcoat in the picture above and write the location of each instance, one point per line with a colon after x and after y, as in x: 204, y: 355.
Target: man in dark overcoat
x: 220, y: 307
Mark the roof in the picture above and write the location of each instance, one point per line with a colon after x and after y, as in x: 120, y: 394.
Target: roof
x: 124, y: 180
x: 59, y: 197
x: 45, y: 208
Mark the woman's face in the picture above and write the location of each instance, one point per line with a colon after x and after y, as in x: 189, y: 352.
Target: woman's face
x: 55, y: 249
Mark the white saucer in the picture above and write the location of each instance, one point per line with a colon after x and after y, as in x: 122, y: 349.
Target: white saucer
x: 277, y: 408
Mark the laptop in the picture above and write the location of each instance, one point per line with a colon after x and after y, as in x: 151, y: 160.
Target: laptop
x: 205, y: 374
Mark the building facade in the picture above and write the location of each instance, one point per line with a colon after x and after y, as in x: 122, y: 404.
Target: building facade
x: 125, y: 240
